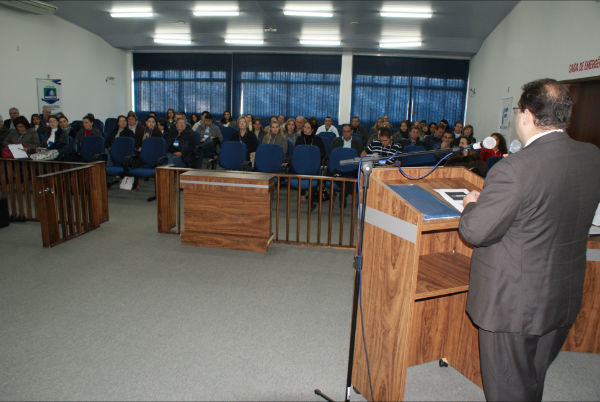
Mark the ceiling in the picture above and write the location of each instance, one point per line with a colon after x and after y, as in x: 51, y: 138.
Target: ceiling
x: 457, y: 28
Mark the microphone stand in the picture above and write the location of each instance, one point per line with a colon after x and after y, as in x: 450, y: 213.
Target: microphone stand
x: 366, y: 167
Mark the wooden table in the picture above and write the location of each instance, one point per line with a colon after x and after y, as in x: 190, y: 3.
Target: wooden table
x: 225, y: 209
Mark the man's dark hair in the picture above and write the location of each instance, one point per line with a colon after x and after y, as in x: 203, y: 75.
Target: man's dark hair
x: 346, y: 125
x: 385, y: 132
x: 21, y: 120
x: 208, y: 116
x: 549, y: 101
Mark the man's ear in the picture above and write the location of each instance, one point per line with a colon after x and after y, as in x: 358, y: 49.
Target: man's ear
x: 528, y: 119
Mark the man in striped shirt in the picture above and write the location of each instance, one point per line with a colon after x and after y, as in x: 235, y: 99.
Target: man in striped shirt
x: 384, y: 146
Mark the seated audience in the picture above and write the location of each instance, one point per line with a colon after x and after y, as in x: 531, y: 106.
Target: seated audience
x: 275, y: 136
x: 163, y: 126
x: 46, y: 112
x: 313, y: 121
x: 37, y: 124
x: 121, y: 130
x: 170, y: 117
x: 300, y: 120
x: 194, y: 118
x: 210, y: 131
x: 181, y: 144
x: 499, y: 150
x: 378, y: 124
x: 152, y: 114
x: 227, y: 120
x: 134, y: 125
x: 63, y: 123
x: 9, y: 124
x: 55, y: 137
x: 467, y: 158
x: 281, y: 120
x: 458, y: 128
x: 3, y: 131
x: 414, y: 137
x: 432, y: 128
x: 358, y: 128
x: 468, y: 132
x: 424, y: 129
x: 328, y: 127
x: 150, y: 130
x: 434, y: 140
x: 290, y: 130
x: 249, y: 119
x: 23, y: 134
x: 384, y: 146
x: 87, y: 129
x: 447, y: 139
x: 402, y: 131
x: 346, y: 141
x: 244, y: 135
x: 308, y: 137
x: 257, y: 129
x: 386, y: 119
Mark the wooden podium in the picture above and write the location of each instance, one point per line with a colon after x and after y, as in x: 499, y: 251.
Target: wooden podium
x: 414, y: 285
x: 226, y: 209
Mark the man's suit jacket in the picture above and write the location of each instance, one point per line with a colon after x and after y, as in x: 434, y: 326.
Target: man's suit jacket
x: 529, y: 229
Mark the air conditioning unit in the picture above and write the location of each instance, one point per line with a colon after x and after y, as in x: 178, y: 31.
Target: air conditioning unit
x: 31, y: 6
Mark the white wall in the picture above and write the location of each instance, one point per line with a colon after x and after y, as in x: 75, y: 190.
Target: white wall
x: 536, y: 40
x: 38, y: 46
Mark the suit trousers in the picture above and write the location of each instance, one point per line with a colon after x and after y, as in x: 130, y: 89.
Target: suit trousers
x: 513, y: 366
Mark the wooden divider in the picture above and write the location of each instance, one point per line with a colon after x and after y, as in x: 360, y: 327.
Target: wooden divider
x: 301, y: 218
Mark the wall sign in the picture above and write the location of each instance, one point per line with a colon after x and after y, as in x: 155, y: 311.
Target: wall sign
x: 584, y: 65
x: 49, y: 93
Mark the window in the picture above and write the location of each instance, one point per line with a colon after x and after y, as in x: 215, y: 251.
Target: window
x: 408, y: 89
x: 192, y: 83
x: 293, y: 84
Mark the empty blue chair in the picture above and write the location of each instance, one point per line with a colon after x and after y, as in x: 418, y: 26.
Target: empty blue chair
x: 340, y: 154
x: 290, y: 149
x: 417, y: 160
x: 227, y: 132
x: 121, y: 152
x: 99, y: 125
x: 109, y: 125
x: 268, y: 158
x: 326, y: 138
x: 92, y: 148
x: 233, y: 155
x: 152, y: 154
x: 359, y: 138
x: 306, y: 160
x: 491, y: 161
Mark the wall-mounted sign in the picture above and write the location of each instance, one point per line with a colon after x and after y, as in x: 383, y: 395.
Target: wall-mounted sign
x: 49, y: 93
x: 584, y: 65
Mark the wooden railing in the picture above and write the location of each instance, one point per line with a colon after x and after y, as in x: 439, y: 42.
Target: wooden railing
x: 319, y: 218
x: 68, y: 199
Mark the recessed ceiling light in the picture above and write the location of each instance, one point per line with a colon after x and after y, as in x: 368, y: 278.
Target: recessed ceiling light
x: 323, y: 40
x: 308, y: 10
x: 132, y: 12
x: 394, y: 11
x: 245, y: 42
x: 172, y: 41
x: 400, y: 43
x: 216, y: 10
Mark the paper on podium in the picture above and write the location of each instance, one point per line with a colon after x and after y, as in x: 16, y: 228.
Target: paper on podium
x: 454, y: 196
x: 18, y: 151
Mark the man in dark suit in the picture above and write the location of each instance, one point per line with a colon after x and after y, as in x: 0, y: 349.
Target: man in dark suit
x: 529, y: 227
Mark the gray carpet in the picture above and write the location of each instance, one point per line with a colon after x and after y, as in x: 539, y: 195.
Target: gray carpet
x: 124, y: 313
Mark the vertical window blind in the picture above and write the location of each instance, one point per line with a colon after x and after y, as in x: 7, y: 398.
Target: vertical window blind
x: 408, y: 88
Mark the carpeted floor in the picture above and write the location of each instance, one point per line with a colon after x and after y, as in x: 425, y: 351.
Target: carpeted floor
x: 124, y: 313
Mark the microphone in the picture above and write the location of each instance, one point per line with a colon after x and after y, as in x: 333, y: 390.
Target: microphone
x: 488, y: 143
x: 515, y: 146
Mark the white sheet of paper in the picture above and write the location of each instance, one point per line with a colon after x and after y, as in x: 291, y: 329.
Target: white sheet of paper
x: 596, y: 220
x: 453, y: 196
x: 18, y: 151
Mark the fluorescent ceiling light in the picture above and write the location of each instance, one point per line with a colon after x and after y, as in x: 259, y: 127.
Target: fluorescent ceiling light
x: 216, y: 10
x: 405, y: 12
x: 323, y: 40
x: 400, y: 43
x: 172, y: 41
x: 132, y: 12
x: 241, y: 39
x: 308, y: 10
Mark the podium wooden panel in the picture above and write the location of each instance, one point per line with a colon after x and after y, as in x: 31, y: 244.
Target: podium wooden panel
x: 225, y: 209
x: 414, y: 282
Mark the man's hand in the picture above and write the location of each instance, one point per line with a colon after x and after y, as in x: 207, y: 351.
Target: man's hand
x: 473, y: 196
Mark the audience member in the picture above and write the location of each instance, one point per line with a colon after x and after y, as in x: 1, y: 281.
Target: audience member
x: 300, y: 120
x: 447, y: 139
x: 13, y: 112
x: 384, y: 146
x: 434, y: 140
x: 414, y: 137
x: 163, y: 126
x: 378, y: 124
x: 23, y: 134
x: 55, y: 137
x: 346, y: 141
x: 402, y: 131
x: 468, y: 132
x: 63, y: 123
x: 290, y: 130
x: 308, y: 137
x: 328, y: 127
x: 313, y: 121
x: 281, y: 120
x: 170, y: 117
x: 120, y: 131
x: 458, y: 128
x: 249, y: 119
x: 468, y: 158
x: 386, y: 119
x: 244, y: 135
x: 432, y: 128
x: 38, y: 125
x: 275, y: 136
x: 499, y: 150
x: 226, y: 120
x: 180, y: 144
x: 151, y: 130
x: 211, y: 136
x: 152, y: 114
x: 358, y: 128
x: 87, y: 129
x: 134, y: 125
x: 46, y: 112
x: 257, y: 129
x: 424, y: 129
x: 3, y: 131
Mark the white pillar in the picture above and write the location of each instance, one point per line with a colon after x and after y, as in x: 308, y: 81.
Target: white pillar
x: 129, y: 80
x: 345, y: 88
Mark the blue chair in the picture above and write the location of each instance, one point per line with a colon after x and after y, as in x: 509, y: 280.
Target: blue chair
x: 76, y: 125
x: 417, y: 160
x: 99, y: 125
x: 152, y: 154
x: 306, y: 160
x: 268, y: 158
x: 109, y: 125
x: 290, y: 149
x: 121, y: 152
x: 340, y: 154
x: 92, y: 148
x: 359, y: 138
x: 326, y: 138
x: 233, y: 155
x: 491, y: 161
x: 227, y: 133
